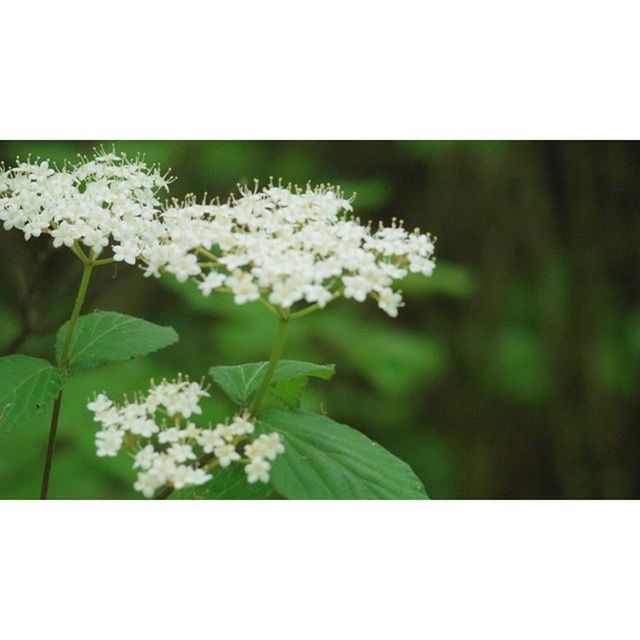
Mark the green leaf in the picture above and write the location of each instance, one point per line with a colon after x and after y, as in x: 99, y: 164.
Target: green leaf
x: 241, y: 382
x: 290, y: 391
x: 227, y: 484
x: 106, y: 336
x: 28, y: 386
x: 327, y: 460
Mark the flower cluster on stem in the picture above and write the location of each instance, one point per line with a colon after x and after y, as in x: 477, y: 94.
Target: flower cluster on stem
x: 287, y: 246
x: 169, y: 449
x: 104, y: 201
x: 283, y: 245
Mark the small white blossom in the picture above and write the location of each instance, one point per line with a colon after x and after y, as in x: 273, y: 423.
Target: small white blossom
x: 257, y: 470
x: 173, y: 434
x: 198, y: 476
x: 181, y: 452
x: 148, y: 483
x: 212, y: 281
x: 125, y: 252
x: 108, y: 442
x: 389, y: 301
x: 100, y: 404
x: 210, y: 439
x: 145, y: 458
x: 226, y: 454
x: 265, y: 446
x: 243, y: 287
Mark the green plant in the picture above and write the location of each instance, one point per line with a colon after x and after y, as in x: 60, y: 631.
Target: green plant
x: 292, y: 250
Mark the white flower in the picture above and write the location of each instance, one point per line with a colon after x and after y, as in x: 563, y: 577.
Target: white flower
x: 125, y: 252
x: 265, y: 446
x: 210, y: 439
x: 109, y: 417
x: 192, y: 431
x: 257, y: 469
x: 212, y: 281
x: 143, y: 427
x: 198, y: 476
x: 318, y: 294
x: 183, y: 267
x: 100, y: 404
x: 180, y: 477
x: 241, y: 426
x: 66, y: 234
x: 389, y: 302
x: 108, y: 442
x: 173, y: 434
x: 148, y: 483
x: 290, y: 246
x: 179, y: 397
x: 419, y: 264
x: 242, y: 287
x: 181, y: 452
x: 145, y: 458
x: 356, y: 287
x: 226, y: 454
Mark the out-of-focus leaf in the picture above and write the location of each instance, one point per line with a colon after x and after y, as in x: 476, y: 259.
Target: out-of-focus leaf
x: 397, y: 362
x: 447, y: 279
x: 519, y: 368
x: 9, y: 326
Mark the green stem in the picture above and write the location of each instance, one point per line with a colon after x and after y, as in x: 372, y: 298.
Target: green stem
x: 314, y: 307
x: 268, y: 305
x: 276, y: 354
x: 75, y: 314
x: 64, y: 361
x: 99, y: 263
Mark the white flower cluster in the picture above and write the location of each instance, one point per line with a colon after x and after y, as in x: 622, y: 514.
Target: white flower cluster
x: 289, y: 246
x: 170, y: 450
x: 106, y: 200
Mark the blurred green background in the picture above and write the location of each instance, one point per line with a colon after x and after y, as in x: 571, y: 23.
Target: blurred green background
x: 512, y: 373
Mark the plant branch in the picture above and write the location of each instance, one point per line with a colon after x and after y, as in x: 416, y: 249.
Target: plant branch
x: 276, y: 354
x: 103, y: 261
x: 314, y: 307
x: 64, y: 360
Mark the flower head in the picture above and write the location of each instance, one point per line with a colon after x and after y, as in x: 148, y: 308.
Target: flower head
x: 168, y: 449
x: 289, y: 246
x: 105, y: 200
